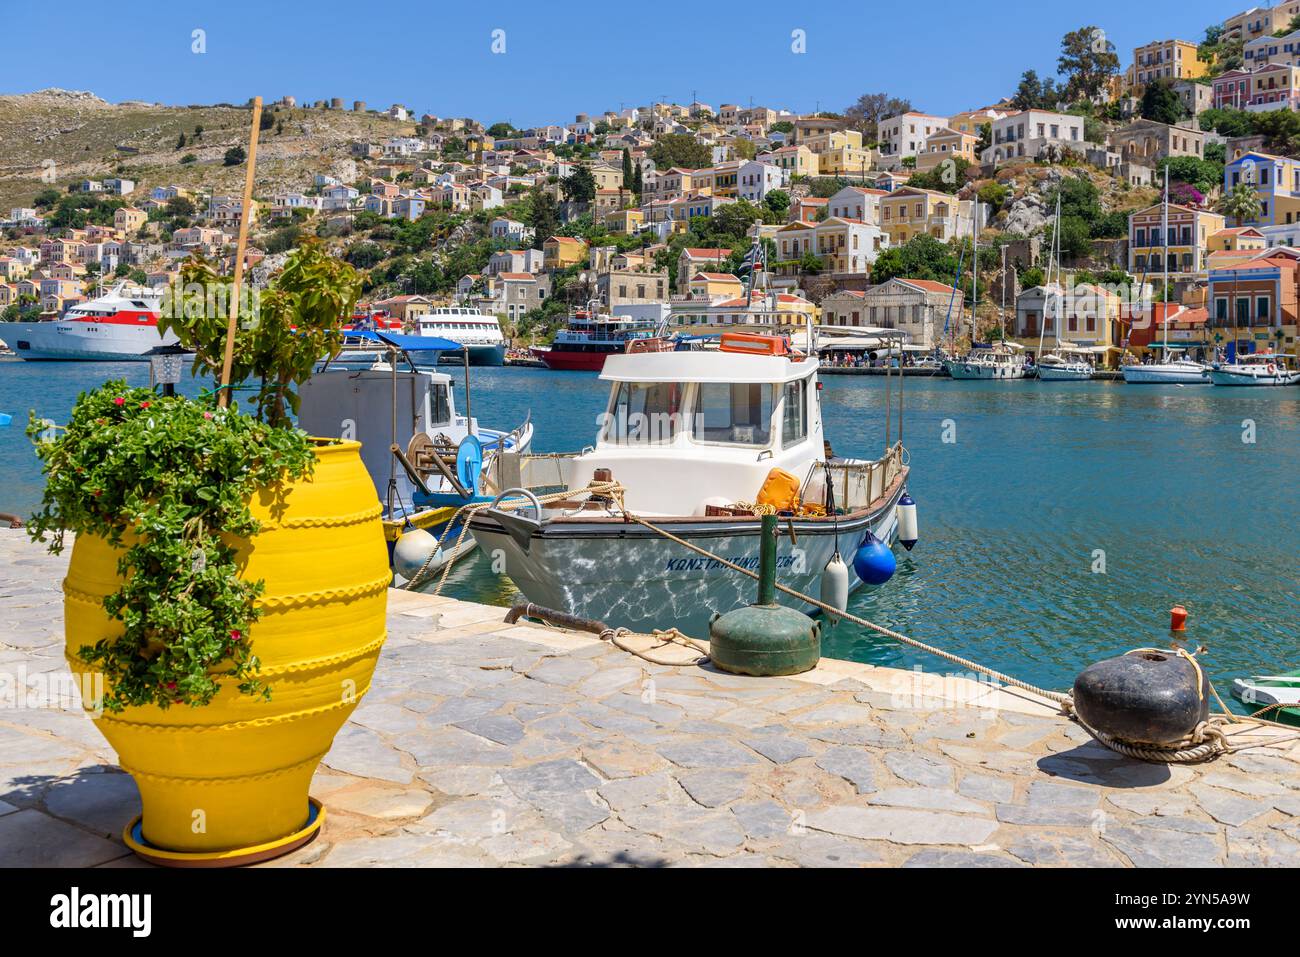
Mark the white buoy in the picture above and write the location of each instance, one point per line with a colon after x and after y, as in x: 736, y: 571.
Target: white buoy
x: 835, y: 583
x: 907, y: 534
x: 412, y: 550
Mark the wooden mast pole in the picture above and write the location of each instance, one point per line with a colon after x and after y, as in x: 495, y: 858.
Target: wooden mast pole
x: 245, y: 215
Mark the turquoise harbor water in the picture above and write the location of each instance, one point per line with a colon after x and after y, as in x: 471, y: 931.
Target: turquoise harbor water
x: 1013, y: 512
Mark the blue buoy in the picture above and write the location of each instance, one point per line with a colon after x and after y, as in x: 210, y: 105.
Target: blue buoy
x: 874, y: 562
x: 469, y: 463
x: 5, y: 418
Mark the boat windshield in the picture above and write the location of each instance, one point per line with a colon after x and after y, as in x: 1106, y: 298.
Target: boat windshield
x: 643, y: 413
x: 734, y: 413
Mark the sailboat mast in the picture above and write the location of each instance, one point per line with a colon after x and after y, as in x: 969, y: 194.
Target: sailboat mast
x: 1004, y: 293
x: 1164, y: 268
x: 975, y: 273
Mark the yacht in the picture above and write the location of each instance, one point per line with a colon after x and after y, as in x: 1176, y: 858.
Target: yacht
x: 999, y: 361
x: 118, y: 326
x: 1065, y: 364
x: 1172, y: 371
x: 475, y: 331
x: 1259, y: 368
x: 696, y: 439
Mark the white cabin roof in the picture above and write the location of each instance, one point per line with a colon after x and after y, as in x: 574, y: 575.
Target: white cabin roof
x: 704, y: 367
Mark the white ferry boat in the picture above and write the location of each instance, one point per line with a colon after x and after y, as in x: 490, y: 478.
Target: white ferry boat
x: 480, y: 332
x: 119, y: 326
x: 699, y: 440
x: 1260, y: 368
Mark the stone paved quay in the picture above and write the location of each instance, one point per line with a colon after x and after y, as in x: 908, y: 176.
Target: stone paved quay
x: 485, y: 744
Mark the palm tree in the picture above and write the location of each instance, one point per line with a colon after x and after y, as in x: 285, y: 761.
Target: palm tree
x: 1241, y: 204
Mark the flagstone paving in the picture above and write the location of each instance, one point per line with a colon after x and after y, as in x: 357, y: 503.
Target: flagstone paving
x: 487, y: 744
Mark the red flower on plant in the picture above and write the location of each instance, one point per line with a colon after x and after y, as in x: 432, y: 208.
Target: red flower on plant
x: 207, y: 415
x: 236, y: 635
x: 119, y: 401
x: 144, y: 405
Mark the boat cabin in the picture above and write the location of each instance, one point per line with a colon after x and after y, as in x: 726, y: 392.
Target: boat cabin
x: 686, y: 430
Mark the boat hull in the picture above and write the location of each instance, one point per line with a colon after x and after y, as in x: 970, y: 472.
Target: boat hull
x: 489, y: 355
x: 568, y: 360
x: 958, y: 369
x: 1230, y: 377
x: 1064, y: 373
x: 62, y: 340
x: 628, y: 576
x: 1163, y: 375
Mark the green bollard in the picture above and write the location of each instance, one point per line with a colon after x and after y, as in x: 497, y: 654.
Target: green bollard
x: 765, y: 639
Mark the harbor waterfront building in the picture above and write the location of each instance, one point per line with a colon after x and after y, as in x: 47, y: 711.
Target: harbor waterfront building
x: 909, y: 211
x: 1253, y: 304
x: 918, y: 308
x: 775, y: 312
x: 1088, y: 316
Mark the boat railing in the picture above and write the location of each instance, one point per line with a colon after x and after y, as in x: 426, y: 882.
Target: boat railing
x: 857, y: 484
x: 539, y: 472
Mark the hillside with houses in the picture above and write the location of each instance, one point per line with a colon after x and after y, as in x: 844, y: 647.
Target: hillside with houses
x: 866, y: 216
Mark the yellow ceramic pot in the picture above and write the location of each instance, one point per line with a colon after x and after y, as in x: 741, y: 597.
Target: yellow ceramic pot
x: 233, y: 775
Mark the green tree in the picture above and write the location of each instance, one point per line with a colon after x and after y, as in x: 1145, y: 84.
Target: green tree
x: 234, y: 156
x: 500, y: 131
x: 1035, y: 94
x: 1228, y: 123
x: 1076, y: 239
x: 180, y: 142
x: 188, y: 158
x: 1086, y: 64
x: 579, y: 186
x: 627, y: 167
x: 545, y: 218
x: 781, y: 126
x: 267, y: 120
x: 46, y: 197
x: 364, y: 255
x: 680, y: 149
x: 1241, y: 204
x: 778, y: 201
x: 1161, y: 103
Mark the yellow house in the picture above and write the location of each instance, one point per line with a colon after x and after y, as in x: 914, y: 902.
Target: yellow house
x: 626, y: 221
x: 799, y: 160
x: 606, y: 177
x: 129, y: 219
x: 711, y: 285
x: 560, y: 252
x: 1236, y: 239
x: 946, y: 144
x: 1167, y: 60
x: 1189, y: 232
x: 846, y: 161
x: 909, y: 212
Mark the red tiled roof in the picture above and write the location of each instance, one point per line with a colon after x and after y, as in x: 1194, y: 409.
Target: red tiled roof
x: 520, y: 276
x: 929, y: 285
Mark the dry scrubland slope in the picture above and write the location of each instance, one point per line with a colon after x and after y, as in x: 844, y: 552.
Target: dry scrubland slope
x: 87, y: 138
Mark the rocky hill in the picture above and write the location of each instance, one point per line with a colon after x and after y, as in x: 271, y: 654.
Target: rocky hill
x: 68, y: 136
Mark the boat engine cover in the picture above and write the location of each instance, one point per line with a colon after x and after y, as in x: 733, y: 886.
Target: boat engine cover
x: 1143, y: 697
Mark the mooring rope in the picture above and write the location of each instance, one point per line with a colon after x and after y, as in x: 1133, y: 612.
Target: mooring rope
x: 1206, y: 741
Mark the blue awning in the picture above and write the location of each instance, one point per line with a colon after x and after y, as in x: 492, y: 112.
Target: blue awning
x: 406, y: 343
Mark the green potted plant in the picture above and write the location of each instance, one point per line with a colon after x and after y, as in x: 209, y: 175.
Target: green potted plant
x: 226, y: 592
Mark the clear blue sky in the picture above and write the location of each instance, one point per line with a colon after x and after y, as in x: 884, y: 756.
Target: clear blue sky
x: 564, y: 58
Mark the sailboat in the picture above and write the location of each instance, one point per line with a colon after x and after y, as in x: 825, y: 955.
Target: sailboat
x: 1182, y: 371
x: 998, y: 360
x: 1067, y: 362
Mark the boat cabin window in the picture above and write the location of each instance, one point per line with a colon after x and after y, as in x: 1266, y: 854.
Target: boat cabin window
x: 439, y: 406
x: 642, y: 413
x: 794, y: 417
x: 734, y: 413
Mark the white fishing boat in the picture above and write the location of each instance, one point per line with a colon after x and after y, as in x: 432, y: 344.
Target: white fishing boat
x: 701, y: 443
x: 477, y: 332
x: 1065, y: 364
x: 1001, y: 360
x: 1257, y: 369
x: 425, y: 459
